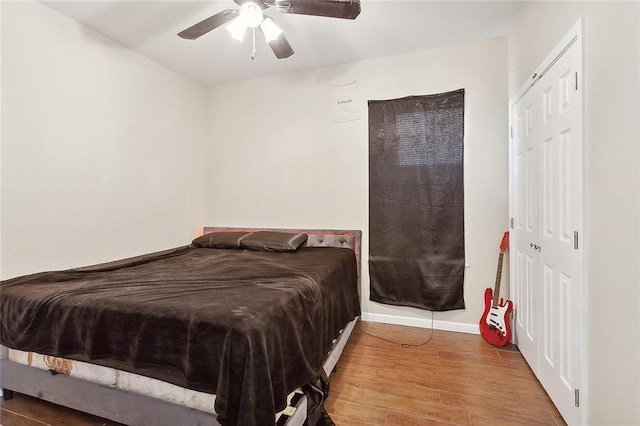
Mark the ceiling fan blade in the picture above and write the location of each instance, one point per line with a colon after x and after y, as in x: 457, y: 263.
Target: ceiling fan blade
x: 280, y: 46
x: 345, y: 9
x: 206, y: 25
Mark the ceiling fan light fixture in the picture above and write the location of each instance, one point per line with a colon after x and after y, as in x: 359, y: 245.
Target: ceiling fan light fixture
x: 237, y: 28
x: 251, y: 13
x: 270, y: 30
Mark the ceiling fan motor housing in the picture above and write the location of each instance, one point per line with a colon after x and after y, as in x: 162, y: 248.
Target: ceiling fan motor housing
x: 251, y: 13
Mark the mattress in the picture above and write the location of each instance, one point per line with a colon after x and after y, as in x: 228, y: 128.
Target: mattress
x: 118, y: 379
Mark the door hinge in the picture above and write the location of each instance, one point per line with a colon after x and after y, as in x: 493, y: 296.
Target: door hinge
x: 577, y: 397
x: 575, y: 87
x: 575, y: 240
x: 511, y: 223
x: 511, y: 131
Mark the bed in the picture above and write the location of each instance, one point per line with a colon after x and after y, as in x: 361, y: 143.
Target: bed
x: 165, y: 337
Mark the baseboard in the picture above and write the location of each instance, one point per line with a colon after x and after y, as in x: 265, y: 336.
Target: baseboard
x: 461, y: 327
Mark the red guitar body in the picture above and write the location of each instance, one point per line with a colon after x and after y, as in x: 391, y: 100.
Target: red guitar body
x: 495, y: 324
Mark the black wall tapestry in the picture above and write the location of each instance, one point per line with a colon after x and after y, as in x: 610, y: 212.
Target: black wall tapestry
x: 416, y: 201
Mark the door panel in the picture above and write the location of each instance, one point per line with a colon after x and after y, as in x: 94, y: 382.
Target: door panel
x: 560, y: 161
x: 525, y: 211
x: 547, y: 197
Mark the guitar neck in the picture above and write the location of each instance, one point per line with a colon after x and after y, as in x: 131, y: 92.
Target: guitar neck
x: 496, y: 290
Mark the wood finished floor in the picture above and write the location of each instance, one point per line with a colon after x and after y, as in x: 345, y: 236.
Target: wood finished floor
x: 454, y: 379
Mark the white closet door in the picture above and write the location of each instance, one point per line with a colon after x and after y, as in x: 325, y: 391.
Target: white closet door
x: 560, y: 215
x: 547, y: 197
x: 524, y: 257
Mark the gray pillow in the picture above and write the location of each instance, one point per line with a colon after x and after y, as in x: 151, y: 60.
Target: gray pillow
x: 220, y: 240
x: 273, y: 241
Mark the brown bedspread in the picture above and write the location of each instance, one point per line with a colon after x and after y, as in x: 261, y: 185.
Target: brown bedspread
x: 249, y: 326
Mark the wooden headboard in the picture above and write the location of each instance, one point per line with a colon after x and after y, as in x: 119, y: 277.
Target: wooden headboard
x: 317, y: 237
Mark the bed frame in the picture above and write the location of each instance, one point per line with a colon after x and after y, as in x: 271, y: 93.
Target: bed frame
x: 135, y: 409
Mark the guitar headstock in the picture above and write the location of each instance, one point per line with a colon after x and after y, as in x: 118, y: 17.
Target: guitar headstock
x: 505, y: 242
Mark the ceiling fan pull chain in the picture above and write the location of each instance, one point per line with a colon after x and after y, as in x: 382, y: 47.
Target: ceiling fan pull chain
x: 255, y: 51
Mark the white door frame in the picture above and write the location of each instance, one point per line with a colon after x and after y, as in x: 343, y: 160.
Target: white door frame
x: 574, y: 36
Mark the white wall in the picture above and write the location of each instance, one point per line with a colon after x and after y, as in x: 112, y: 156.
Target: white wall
x: 277, y: 159
x: 100, y: 146
x: 612, y: 244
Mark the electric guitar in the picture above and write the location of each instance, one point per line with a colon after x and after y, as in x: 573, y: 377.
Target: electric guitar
x: 495, y: 325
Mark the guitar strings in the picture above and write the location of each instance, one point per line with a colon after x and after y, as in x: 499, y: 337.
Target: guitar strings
x: 404, y: 345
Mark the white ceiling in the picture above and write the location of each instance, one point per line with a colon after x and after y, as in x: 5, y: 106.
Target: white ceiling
x: 384, y: 28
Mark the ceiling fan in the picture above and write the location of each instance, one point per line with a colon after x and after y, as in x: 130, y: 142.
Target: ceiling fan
x: 251, y: 16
